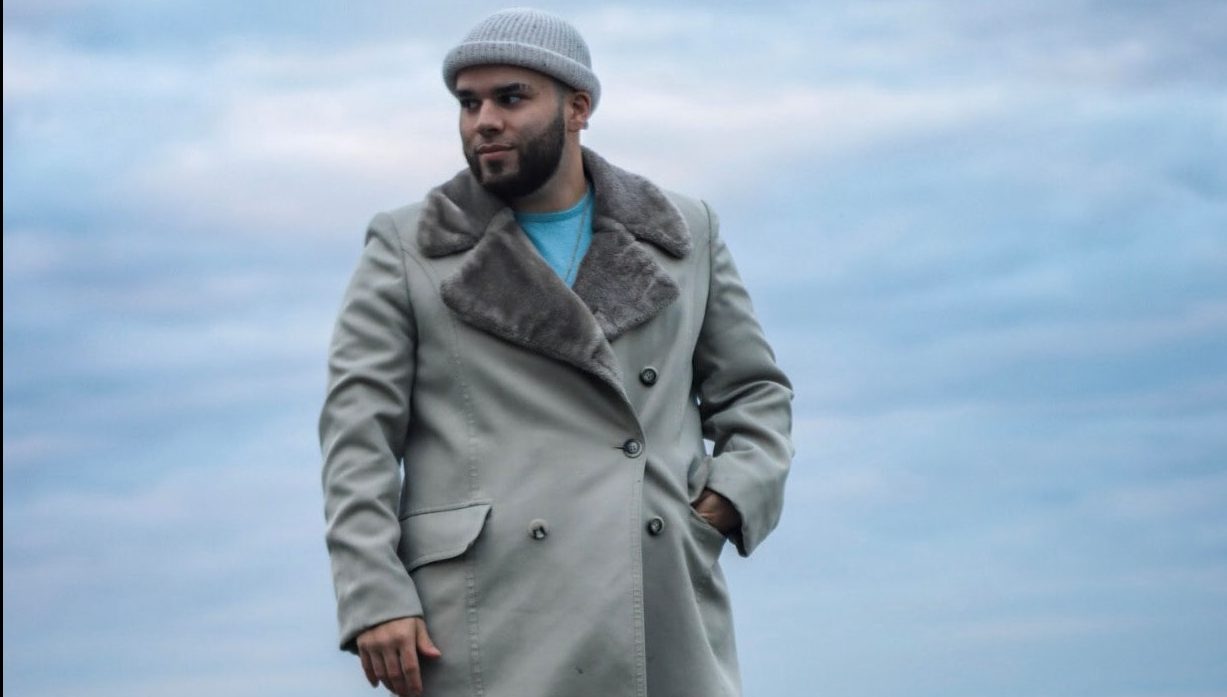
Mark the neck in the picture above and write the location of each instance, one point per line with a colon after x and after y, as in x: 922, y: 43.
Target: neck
x: 561, y: 191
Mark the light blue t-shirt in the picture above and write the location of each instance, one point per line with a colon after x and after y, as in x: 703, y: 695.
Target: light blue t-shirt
x: 560, y: 236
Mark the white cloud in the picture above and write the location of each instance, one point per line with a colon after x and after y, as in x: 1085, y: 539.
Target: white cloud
x: 1184, y: 498
x: 21, y: 449
x: 1000, y: 191
x: 625, y: 27
x: 161, y: 346
x: 725, y: 135
x: 286, y: 159
x: 289, y: 143
x: 43, y: 69
x: 277, y: 156
x: 197, y: 524
x: 1039, y: 629
x: 1085, y: 337
x: 224, y: 558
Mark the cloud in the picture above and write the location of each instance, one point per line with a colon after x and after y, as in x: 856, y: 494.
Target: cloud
x: 198, y: 576
x: 43, y: 446
x: 702, y: 141
x: 985, y: 241
x: 1189, y: 497
x: 267, y: 141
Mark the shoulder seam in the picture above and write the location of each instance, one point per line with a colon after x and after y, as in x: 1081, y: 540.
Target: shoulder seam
x: 404, y: 270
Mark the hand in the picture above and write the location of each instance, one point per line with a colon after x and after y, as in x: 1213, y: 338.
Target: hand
x: 717, y: 511
x: 389, y: 653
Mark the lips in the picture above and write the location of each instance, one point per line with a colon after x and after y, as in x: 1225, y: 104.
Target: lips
x: 490, y: 148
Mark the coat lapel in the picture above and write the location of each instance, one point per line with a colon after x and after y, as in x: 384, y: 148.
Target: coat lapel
x: 505, y: 288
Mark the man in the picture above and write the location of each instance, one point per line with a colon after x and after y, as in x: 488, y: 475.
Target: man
x: 543, y: 344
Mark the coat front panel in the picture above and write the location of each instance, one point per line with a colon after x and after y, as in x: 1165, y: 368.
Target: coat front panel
x: 541, y: 520
x: 544, y: 443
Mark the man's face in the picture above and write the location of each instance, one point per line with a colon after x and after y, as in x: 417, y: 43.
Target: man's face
x: 511, y: 127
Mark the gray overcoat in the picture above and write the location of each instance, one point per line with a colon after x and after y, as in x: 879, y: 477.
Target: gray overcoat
x: 514, y: 459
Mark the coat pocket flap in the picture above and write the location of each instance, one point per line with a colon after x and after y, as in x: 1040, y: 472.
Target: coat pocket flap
x: 432, y: 535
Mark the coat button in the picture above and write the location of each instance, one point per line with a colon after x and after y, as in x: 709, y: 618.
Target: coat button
x: 538, y: 530
x: 648, y: 376
x: 655, y: 525
x: 632, y: 448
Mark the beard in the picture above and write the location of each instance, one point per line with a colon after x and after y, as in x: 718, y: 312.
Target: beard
x: 537, y: 157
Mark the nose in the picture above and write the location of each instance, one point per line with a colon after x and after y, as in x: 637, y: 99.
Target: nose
x: 489, y: 118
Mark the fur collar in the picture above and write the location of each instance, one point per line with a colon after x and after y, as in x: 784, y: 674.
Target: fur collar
x: 504, y: 287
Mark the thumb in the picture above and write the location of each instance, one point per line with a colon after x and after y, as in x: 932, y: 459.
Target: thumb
x: 426, y: 647
x: 703, y: 501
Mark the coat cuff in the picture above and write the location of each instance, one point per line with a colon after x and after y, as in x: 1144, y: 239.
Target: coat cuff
x: 756, y: 494
x: 373, y: 604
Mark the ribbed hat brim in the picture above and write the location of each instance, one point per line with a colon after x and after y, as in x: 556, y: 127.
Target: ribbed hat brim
x: 568, y: 71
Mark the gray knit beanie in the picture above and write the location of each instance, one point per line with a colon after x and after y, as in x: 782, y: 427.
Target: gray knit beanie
x: 529, y: 39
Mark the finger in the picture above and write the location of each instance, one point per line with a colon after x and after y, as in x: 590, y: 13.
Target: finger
x: 716, y: 509
x: 383, y: 670
x: 380, y: 670
x: 369, y: 669
x: 708, y: 501
x: 715, y: 514
x: 396, y: 676
x: 407, y: 676
x: 409, y: 670
x: 426, y: 646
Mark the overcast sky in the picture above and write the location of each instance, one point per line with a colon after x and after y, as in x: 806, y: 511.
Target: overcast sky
x: 988, y: 241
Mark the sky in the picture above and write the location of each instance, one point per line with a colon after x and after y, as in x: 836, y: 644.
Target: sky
x: 988, y: 242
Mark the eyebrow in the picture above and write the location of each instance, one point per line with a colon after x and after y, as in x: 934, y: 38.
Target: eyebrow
x: 510, y: 88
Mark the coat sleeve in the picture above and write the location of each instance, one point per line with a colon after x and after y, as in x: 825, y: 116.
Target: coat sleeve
x: 362, y: 432
x: 744, y: 401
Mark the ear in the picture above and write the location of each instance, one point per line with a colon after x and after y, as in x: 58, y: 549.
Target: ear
x: 579, y: 108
